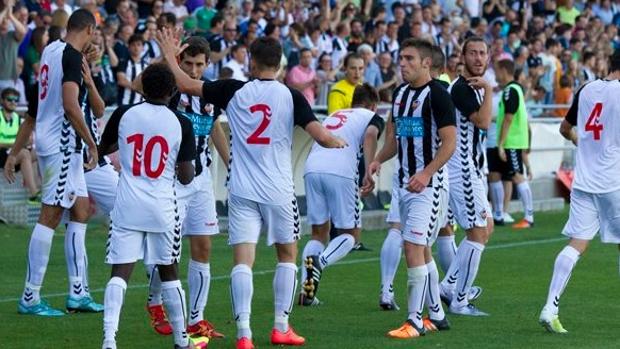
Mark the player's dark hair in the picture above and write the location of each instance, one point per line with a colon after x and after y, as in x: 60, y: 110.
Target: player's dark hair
x: 614, y: 61
x: 266, y: 52
x: 135, y: 38
x: 507, y: 65
x: 350, y: 56
x: 424, y: 47
x: 474, y: 39
x: 80, y: 20
x: 438, y: 58
x: 196, y: 45
x: 9, y: 91
x: 364, y: 96
x: 226, y: 73
x: 158, y: 82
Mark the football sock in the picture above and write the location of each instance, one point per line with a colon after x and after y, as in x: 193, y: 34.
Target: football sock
x: 241, y: 290
x: 74, y: 255
x: 85, y: 276
x: 468, y: 257
x: 38, y: 256
x: 525, y: 193
x: 174, y: 302
x: 391, y: 253
x: 199, y: 281
x: 337, y: 249
x: 155, y: 297
x: 497, y: 199
x: 446, y: 251
x: 448, y: 283
x: 112, y: 304
x: 433, y: 300
x: 562, y: 269
x: 284, y: 285
x: 312, y: 248
x: 417, y: 281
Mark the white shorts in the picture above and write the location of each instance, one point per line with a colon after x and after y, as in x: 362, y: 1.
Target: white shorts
x: 335, y: 197
x: 196, y: 203
x: 246, y: 219
x: 101, y: 183
x: 468, y: 202
x: 591, y: 213
x: 62, y: 179
x: 128, y: 246
x: 425, y: 213
x: 393, y: 215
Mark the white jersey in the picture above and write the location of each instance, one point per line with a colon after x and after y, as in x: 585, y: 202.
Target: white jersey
x: 594, y: 113
x: 261, y: 115
x: 60, y: 63
x: 350, y: 125
x: 151, y: 141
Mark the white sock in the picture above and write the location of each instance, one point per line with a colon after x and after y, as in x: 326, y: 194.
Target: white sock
x: 468, y: 257
x: 446, y: 251
x: 284, y: 285
x: 525, y: 193
x: 241, y: 290
x: 417, y: 281
x: 337, y: 249
x: 312, y: 248
x: 433, y: 301
x: 199, y: 281
x: 174, y: 301
x: 38, y: 256
x: 152, y: 273
x: 562, y: 269
x: 75, y: 248
x: 448, y: 283
x: 112, y: 304
x: 391, y: 253
x: 497, y: 198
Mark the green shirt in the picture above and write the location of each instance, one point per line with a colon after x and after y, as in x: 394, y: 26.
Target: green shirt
x: 567, y: 16
x: 513, y: 102
x: 8, y: 130
x: 203, y: 18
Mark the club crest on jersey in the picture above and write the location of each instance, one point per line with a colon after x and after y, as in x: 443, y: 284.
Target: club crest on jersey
x: 415, y: 105
x: 483, y: 214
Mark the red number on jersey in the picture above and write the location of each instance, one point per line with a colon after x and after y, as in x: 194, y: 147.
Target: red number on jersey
x: 255, y: 138
x: 593, y: 125
x: 140, y: 153
x: 43, y: 76
x: 342, y: 119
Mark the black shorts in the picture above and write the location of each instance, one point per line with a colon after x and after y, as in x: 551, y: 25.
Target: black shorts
x: 4, y: 153
x: 508, y: 169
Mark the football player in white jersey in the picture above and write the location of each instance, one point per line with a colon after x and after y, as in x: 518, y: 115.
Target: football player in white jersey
x: 592, y: 124
x: 61, y: 134
x: 262, y: 114
x: 332, y: 189
x: 156, y: 148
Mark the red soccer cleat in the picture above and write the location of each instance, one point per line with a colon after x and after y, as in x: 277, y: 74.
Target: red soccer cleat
x: 287, y: 338
x: 523, y: 224
x: 203, y: 328
x: 245, y: 343
x: 159, y: 321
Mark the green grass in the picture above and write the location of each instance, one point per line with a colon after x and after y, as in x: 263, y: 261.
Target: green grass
x: 515, y: 273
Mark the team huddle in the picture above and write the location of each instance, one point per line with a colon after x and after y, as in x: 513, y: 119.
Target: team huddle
x: 165, y: 190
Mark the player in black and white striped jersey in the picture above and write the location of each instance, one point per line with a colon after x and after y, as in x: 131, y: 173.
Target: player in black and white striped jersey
x: 128, y: 70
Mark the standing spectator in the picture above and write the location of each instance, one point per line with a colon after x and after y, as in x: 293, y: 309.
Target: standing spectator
x: 10, y: 38
x: 220, y: 49
x: 129, y: 69
x: 339, y: 44
x: 341, y: 94
x: 176, y: 7
x: 372, y: 73
x: 204, y: 15
x: 237, y: 64
x: 302, y: 77
x: 493, y: 9
x: 326, y: 76
x: 38, y: 41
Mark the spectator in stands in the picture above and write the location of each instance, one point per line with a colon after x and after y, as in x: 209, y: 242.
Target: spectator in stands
x: 157, y: 9
x: 220, y: 49
x: 339, y: 43
x: 237, y: 64
x: 341, y: 94
x: 167, y: 20
x: 9, y: 125
x: 151, y: 49
x: 103, y: 68
x: 356, y: 38
x: 536, y: 97
x: 451, y: 66
x: 225, y: 73
x: 563, y: 95
x: 176, y: 7
x: 372, y: 72
x: 38, y: 41
x: 302, y: 77
x: 567, y: 13
x: 18, y: 84
x: 121, y: 47
x: 204, y: 14
x: 388, y: 75
x: 326, y: 76
x: 589, y: 65
x: 216, y: 27
x: 12, y: 31
x: 128, y: 70
x: 61, y: 4
x: 60, y: 18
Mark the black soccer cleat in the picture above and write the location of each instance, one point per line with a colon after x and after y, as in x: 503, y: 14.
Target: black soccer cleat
x: 313, y: 277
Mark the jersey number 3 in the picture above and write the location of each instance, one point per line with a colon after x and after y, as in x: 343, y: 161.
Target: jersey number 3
x: 255, y: 137
x: 140, y: 153
x: 593, y: 125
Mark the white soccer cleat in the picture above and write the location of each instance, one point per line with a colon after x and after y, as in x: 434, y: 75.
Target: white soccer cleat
x: 551, y: 322
x: 508, y: 218
x: 467, y: 310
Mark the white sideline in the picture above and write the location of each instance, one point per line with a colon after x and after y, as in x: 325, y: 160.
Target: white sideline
x: 345, y: 262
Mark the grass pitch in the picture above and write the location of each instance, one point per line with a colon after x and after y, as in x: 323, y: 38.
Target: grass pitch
x: 515, y: 273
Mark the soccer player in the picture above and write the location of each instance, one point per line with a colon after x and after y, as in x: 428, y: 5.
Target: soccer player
x: 152, y: 142
x: 61, y: 131
x: 262, y: 114
x: 592, y: 125
x: 331, y: 181
x: 422, y: 134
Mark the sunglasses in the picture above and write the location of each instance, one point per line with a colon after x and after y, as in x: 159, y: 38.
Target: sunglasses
x: 12, y: 99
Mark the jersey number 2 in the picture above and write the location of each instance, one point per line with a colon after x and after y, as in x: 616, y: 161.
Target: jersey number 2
x: 256, y: 138
x: 593, y: 125
x: 141, y: 153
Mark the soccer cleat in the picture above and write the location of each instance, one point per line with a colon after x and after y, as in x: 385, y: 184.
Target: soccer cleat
x: 446, y: 295
x: 467, y: 310
x: 436, y: 325
x: 159, y: 321
x: 360, y: 247
x: 523, y: 224
x: 551, y: 322
x: 109, y: 344
x: 308, y: 302
x: 498, y: 222
x: 41, y: 309
x: 82, y: 305
x: 245, y: 343
x: 313, y: 278
x: 203, y: 328
x: 388, y: 303
x: 199, y: 342
x: 507, y: 218
x: 286, y: 338
x: 474, y: 293
x: 406, y: 331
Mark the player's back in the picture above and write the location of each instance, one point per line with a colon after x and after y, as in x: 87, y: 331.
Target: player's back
x: 598, y: 130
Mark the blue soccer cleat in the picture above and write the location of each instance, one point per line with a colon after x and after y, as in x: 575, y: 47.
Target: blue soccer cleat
x: 40, y: 309
x: 85, y: 304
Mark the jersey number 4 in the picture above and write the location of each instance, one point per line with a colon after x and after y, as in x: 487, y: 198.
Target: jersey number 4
x: 140, y: 153
x: 256, y: 138
x: 593, y: 125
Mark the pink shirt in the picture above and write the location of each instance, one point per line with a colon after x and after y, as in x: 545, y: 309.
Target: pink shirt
x: 301, y: 75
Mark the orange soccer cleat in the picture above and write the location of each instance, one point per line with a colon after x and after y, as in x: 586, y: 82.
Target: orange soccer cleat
x: 523, y: 224
x: 203, y: 328
x: 406, y: 331
x: 287, y: 338
x: 159, y: 321
x: 245, y: 343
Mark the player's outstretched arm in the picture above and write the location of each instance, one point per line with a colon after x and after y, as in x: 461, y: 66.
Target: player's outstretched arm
x: 170, y: 48
x: 323, y: 137
x: 23, y: 135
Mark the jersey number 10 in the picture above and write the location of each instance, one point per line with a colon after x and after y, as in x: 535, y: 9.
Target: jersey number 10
x: 593, y: 125
x: 146, y: 153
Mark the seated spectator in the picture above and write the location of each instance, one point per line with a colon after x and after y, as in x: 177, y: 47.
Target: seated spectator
x: 239, y: 54
x: 302, y: 77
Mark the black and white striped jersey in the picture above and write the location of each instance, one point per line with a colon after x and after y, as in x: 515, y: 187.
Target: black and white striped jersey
x: 418, y: 114
x: 464, y: 163
x: 218, y: 44
x: 131, y: 69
